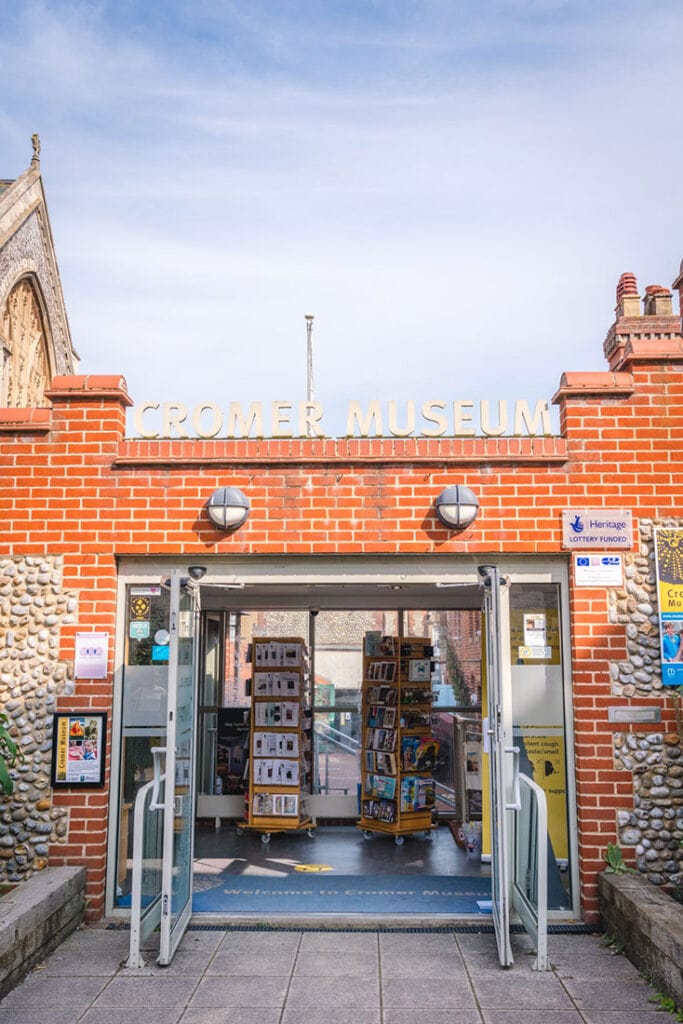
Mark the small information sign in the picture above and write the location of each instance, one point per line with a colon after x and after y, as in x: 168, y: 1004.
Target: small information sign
x: 598, y: 570
x: 92, y: 650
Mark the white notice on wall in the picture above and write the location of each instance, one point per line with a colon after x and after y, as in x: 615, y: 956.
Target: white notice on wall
x: 598, y: 570
x: 91, y: 653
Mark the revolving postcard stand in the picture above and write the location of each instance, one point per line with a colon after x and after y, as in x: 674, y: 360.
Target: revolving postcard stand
x: 399, y: 753
x: 279, y: 738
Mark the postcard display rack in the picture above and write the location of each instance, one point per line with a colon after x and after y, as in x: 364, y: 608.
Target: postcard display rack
x: 399, y: 752
x: 280, y: 738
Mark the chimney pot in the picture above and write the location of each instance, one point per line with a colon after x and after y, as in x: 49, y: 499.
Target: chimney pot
x: 628, y: 300
x: 657, y: 301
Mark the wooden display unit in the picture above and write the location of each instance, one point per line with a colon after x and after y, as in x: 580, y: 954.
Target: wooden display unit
x: 399, y: 752
x: 279, y: 738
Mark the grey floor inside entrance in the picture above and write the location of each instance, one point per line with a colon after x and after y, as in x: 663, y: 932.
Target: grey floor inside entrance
x: 342, y: 848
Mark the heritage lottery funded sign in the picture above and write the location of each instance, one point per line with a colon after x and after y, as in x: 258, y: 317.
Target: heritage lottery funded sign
x: 597, y: 528
x: 433, y: 418
x: 669, y: 565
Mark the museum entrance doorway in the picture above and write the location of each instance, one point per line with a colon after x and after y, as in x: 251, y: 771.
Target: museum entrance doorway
x: 333, y: 620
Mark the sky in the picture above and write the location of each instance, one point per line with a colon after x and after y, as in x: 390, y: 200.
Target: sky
x: 451, y: 187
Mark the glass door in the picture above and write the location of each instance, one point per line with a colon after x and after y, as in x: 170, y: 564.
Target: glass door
x: 178, y: 846
x: 497, y: 729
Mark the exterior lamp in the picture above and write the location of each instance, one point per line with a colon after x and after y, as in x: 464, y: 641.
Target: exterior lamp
x: 228, y: 508
x: 457, y: 507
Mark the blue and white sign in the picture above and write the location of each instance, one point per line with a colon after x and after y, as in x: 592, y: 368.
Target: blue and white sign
x: 138, y: 629
x: 597, y: 528
x: 598, y: 570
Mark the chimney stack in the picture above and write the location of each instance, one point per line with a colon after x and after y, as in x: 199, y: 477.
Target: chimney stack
x: 647, y: 334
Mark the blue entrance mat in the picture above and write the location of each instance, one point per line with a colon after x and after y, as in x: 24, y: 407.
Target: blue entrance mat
x: 345, y: 894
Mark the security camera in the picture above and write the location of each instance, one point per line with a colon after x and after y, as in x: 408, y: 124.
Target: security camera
x: 314, y: 611
x: 197, y: 572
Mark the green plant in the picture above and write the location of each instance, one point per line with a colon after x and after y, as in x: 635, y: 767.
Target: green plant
x: 614, y: 859
x: 667, y: 1004
x: 8, y: 755
x: 615, y: 945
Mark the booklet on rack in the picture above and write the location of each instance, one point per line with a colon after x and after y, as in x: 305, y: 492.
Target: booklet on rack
x: 377, y: 645
x: 419, y: 753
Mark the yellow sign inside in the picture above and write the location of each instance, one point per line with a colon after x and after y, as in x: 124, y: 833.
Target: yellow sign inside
x: 546, y: 754
x: 313, y: 868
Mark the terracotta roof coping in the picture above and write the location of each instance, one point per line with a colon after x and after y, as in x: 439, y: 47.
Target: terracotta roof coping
x: 653, y: 350
x: 602, y: 383
x: 25, y: 420
x: 89, y: 386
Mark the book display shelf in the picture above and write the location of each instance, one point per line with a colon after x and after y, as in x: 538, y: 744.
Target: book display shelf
x: 399, y: 753
x: 279, y: 738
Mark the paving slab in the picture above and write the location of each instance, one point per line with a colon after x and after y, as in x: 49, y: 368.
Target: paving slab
x: 500, y: 1016
x: 600, y: 995
x: 322, y: 1015
x: 252, y: 962
x: 240, y: 992
x: 231, y: 1015
x: 332, y: 991
x: 410, y: 992
x: 431, y: 1016
x: 58, y: 1015
x: 344, y: 963
x: 532, y: 990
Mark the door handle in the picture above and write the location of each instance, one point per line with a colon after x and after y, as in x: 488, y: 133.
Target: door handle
x: 516, y: 804
x: 159, y: 777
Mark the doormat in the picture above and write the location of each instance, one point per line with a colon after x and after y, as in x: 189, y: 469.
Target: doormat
x: 345, y: 894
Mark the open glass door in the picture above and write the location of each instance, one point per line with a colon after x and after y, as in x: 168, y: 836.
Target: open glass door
x: 178, y: 848
x: 498, y: 727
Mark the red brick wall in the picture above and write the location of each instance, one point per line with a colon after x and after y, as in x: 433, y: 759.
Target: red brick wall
x: 73, y: 485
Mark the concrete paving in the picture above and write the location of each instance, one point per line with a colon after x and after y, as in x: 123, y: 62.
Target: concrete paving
x: 335, y: 977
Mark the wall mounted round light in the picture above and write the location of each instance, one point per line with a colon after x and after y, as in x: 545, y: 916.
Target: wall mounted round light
x: 228, y: 508
x: 457, y: 507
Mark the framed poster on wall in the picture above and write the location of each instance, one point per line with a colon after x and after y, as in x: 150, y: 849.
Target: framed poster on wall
x: 669, y: 565
x: 78, y: 748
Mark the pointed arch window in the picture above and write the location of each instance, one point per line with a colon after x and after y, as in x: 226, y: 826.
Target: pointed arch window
x: 25, y: 366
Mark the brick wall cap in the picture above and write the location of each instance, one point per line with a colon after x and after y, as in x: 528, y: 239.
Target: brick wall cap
x: 653, y: 350
x: 586, y: 383
x: 89, y: 386
x: 669, y: 324
x: 27, y: 420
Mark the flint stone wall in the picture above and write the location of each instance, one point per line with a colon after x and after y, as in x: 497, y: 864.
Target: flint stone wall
x: 33, y: 608
x: 655, y: 825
